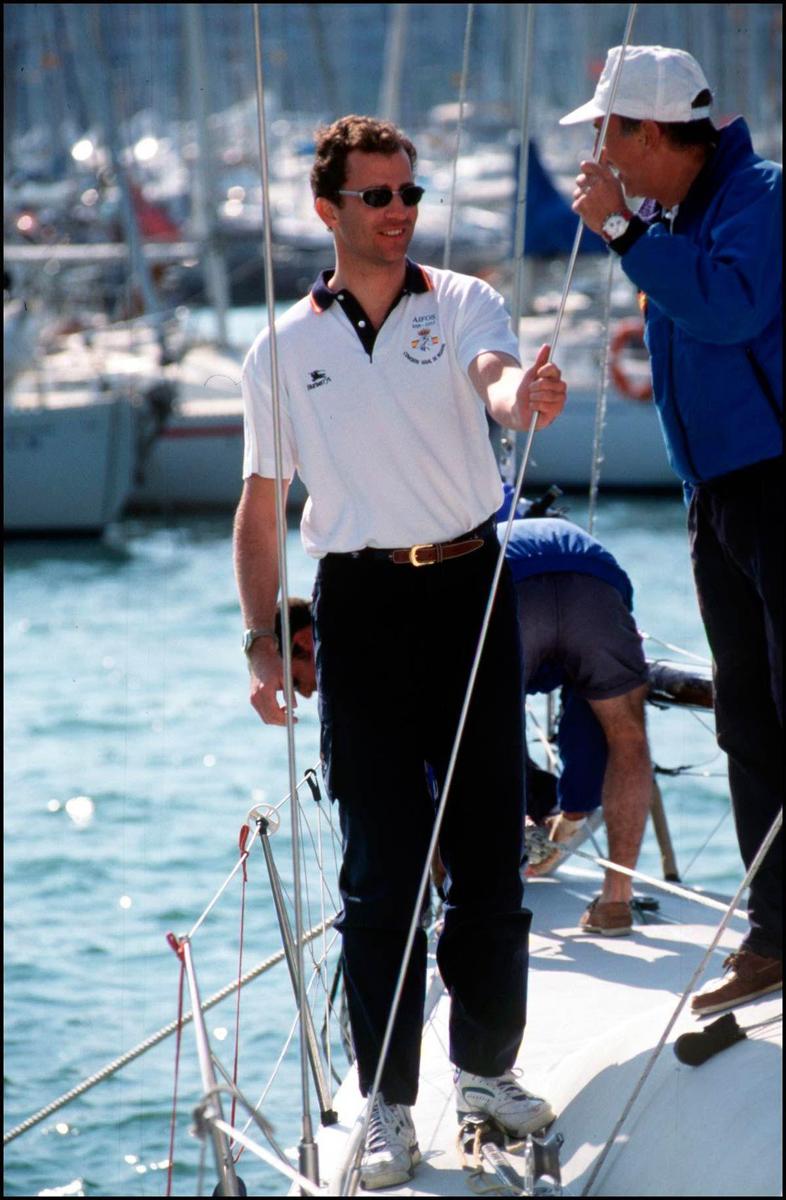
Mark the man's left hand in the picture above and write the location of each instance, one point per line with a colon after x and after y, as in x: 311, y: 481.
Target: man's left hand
x: 597, y: 195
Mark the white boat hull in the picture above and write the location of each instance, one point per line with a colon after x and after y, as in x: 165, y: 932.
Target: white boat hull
x: 632, y: 451
x: 68, y: 468
x: 196, y: 461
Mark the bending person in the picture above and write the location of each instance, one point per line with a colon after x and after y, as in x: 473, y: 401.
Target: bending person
x: 577, y: 633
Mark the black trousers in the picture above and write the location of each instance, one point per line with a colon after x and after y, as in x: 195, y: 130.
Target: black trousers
x: 736, y: 531
x: 394, y: 649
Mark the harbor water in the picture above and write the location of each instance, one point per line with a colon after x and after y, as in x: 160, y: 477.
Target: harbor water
x: 132, y: 759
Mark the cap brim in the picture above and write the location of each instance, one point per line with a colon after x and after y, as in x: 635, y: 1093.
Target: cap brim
x: 587, y: 112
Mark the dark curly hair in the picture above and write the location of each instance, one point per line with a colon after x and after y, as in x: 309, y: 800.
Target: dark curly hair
x: 334, y: 142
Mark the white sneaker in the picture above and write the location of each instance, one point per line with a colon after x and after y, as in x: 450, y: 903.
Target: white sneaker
x: 516, y: 1112
x: 391, y: 1153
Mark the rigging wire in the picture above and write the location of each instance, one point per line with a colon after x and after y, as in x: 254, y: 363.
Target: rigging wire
x: 118, y: 1063
x: 706, y: 843
x: 665, y: 885
x: 415, y: 920
x: 286, y: 648
x: 677, y: 649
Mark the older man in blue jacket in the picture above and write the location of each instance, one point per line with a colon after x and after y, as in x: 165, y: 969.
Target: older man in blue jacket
x: 705, y: 252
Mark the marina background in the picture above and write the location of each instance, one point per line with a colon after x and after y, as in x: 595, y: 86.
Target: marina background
x: 172, y: 86
x: 132, y: 756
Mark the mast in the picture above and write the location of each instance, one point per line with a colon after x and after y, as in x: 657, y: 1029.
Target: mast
x: 389, y: 103
x: 204, y: 210
x: 87, y: 29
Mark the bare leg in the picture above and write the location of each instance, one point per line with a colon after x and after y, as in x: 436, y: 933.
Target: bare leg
x: 627, y: 784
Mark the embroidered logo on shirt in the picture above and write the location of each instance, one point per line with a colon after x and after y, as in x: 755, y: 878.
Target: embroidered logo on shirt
x: 318, y: 379
x: 425, y: 342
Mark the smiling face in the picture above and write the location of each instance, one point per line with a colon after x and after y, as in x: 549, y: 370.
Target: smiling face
x: 371, y: 236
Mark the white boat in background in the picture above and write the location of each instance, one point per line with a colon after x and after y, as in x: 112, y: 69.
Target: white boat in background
x: 179, y: 448
x: 631, y: 449
x: 71, y: 430
x: 70, y: 441
x: 196, y: 459
x: 68, y: 463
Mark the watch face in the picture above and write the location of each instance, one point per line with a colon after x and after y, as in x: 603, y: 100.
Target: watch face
x: 615, y: 225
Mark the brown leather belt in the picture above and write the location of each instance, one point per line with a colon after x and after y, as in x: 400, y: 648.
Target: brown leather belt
x: 426, y: 554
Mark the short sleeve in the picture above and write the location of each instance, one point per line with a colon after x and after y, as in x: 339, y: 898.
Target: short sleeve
x: 483, y: 324
x: 259, y: 443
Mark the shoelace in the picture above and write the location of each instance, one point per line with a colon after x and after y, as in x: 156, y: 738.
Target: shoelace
x: 508, y: 1084
x: 380, y: 1124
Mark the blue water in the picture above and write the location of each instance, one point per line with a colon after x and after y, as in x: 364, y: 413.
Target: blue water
x: 126, y: 685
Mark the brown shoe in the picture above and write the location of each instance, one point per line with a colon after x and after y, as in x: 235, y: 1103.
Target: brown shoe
x: 747, y: 975
x: 612, y: 918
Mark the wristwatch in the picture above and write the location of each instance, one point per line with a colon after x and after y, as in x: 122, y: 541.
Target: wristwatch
x: 251, y: 635
x: 615, y: 225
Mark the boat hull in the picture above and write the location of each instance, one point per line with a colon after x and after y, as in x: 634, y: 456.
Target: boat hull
x: 67, y: 469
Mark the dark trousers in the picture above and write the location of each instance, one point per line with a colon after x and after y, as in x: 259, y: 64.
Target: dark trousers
x: 736, y: 531
x: 394, y: 649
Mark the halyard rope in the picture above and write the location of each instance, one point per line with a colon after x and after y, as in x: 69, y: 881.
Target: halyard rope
x: 750, y: 875
x: 352, y: 1178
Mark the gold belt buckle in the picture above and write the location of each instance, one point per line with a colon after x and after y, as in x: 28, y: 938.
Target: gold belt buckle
x: 414, y: 553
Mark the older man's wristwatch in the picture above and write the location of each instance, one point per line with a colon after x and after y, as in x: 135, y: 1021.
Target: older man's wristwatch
x: 615, y: 225
x: 251, y: 635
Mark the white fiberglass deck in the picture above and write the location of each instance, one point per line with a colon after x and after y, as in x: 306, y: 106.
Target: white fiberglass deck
x: 597, y: 1007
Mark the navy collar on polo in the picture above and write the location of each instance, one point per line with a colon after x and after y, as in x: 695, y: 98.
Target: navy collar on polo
x: 415, y: 281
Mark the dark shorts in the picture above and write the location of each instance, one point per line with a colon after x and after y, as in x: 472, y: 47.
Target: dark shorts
x: 582, y: 625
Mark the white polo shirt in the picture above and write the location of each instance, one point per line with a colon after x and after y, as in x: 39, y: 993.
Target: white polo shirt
x: 392, y: 445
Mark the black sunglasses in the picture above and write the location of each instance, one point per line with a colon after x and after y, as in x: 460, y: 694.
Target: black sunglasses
x: 380, y: 197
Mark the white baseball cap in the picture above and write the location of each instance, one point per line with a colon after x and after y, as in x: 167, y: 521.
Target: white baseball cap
x: 656, y: 84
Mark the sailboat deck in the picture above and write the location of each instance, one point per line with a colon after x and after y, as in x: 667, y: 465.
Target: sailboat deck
x: 597, y: 1007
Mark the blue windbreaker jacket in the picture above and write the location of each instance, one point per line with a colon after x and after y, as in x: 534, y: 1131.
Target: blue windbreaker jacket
x: 713, y: 313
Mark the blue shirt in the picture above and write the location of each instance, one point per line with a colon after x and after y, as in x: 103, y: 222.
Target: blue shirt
x: 540, y: 545
x: 543, y: 545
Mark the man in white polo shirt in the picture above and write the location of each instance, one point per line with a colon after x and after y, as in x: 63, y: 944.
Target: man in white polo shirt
x: 384, y: 372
